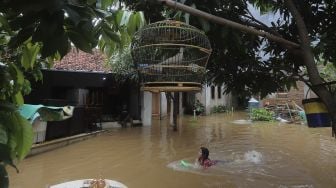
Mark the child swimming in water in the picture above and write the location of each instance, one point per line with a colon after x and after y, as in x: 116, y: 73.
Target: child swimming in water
x: 203, y: 159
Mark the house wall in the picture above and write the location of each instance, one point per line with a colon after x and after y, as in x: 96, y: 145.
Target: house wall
x: 205, y: 97
x: 82, y: 93
x: 202, y: 96
x: 294, y: 94
x: 74, y: 88
x: 297, y: 94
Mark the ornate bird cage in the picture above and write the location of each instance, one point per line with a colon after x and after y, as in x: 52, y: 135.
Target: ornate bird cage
x: 171, y: 56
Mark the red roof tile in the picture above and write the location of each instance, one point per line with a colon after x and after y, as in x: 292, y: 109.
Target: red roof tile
x: 77, y: 60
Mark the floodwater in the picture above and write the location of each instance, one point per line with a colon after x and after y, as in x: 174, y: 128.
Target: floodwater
x: 253, y: 155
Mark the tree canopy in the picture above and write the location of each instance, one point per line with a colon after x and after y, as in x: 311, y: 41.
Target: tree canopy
x: 244, y: 61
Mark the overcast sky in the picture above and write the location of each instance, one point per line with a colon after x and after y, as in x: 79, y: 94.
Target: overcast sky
x: 266, y: 18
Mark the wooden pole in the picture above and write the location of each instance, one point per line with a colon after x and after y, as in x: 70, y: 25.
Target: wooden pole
x: 175, y: 110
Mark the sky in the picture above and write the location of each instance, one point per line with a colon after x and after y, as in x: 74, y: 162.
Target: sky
x: 266, y: 18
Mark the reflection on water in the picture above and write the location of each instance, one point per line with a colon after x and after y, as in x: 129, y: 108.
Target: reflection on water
x: 252, y: 155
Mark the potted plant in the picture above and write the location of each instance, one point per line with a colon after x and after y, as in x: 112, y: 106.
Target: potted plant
x: 199, y: 107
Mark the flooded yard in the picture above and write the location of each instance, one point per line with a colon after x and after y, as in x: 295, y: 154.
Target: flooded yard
x: 253, y: 155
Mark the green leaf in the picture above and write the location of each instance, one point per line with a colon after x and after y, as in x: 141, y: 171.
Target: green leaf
x: 132, y: 24
x: 73, y: 15
x: 80, y: 41
x: 140, y: 19
x: 18, y: 98
x: 64, y: 45
x: 125, y: 39
x: 21, y: 136
x: 106, y: 3
x: 126, y: 15
x: 23, y: 35
x: 17, y: 73
x: 102, y: 13
x: 29, y: 55
x: 111, y: 35
x: 118, y: 17
x: 4, y: 23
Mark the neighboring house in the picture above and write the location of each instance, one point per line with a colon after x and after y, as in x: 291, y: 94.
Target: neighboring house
x: 209, y: 96
x: 213, y: 95
x: 85, y: 81
x: 293, y: 94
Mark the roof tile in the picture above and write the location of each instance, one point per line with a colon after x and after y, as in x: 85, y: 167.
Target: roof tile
x: 77, y: 60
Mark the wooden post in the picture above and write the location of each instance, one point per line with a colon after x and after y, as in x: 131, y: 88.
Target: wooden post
x: 175, y: 110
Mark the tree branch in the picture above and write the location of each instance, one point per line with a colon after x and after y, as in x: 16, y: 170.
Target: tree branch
x: 223, y: 21
x: 260, y: 25
x: 252, y: 18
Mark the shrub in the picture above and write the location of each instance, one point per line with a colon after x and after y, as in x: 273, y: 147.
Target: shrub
x: 199, y: 107
x: 218, y: 109
x: 261, y: 114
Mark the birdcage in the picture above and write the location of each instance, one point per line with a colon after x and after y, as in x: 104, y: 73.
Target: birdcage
x: 171, y: 56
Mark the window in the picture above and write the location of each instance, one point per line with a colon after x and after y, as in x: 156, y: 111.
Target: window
x: 219, y: 92
x: 212, y: 92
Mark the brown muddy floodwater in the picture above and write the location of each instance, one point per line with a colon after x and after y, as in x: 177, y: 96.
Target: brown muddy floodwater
x: 255, y: 155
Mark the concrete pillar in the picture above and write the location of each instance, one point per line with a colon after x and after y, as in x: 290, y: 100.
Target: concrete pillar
x: 181, y: 110
x: 208, y: 100
x: 146, y: 108
x: 163, y: 105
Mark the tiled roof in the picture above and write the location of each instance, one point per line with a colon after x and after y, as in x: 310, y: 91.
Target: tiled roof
x: 77, y: 60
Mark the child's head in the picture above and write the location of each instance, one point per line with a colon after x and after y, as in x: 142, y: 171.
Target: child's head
x: 204, y: 152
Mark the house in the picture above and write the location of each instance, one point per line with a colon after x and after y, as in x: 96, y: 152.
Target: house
x: 295, y: 95
x: 86, y: 82
x: 213, y: 95
x: 161, y: 105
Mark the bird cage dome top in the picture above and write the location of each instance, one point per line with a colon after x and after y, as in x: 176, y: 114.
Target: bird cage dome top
x: 171, y: 56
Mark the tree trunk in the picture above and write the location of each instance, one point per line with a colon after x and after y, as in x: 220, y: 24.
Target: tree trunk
x: 314, y: 77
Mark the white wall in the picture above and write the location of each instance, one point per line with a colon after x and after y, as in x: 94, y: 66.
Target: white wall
x: 146, y: 108
x: 205, y: 98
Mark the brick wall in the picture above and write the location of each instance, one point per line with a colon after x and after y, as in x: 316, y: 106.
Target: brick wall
x: 297, y: 94
x: 294, y: 94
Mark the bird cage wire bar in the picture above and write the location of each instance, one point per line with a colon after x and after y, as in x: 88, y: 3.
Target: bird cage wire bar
x: 171, y: 51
